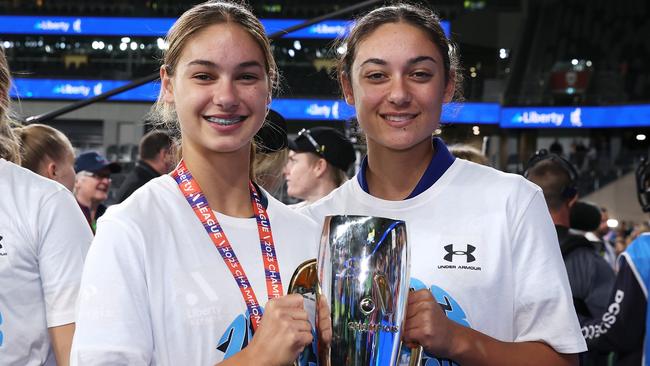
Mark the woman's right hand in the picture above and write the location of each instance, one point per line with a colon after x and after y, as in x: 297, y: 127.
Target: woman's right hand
x: 283, y: 332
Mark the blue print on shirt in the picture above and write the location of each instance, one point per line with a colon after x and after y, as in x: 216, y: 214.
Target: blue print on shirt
x: 237, y: 336
x: 2, y: 336
x: 452, y: 309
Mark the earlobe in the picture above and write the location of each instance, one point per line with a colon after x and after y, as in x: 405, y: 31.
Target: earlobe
x: 347, y: 88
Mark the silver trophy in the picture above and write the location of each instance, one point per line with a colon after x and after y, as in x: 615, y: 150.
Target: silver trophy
x: 359, y: 288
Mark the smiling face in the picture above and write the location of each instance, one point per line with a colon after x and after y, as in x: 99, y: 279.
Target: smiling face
x: 219, y: 88
x: 397, y: 85
x: 92, y: 188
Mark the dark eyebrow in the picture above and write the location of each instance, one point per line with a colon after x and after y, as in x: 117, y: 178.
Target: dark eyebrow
x: 376, y: 61
x: 202, y: 63
x: 213, y: 65
x: 250, y: 64
x: 415, y: 60
x: 421, y: 59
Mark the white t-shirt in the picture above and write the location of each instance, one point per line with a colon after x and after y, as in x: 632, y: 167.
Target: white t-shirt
x: 43, y: 241
x: 155, y: 291
x: 482, y: 241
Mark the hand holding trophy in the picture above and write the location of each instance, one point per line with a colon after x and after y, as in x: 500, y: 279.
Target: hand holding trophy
x: 286, y: 316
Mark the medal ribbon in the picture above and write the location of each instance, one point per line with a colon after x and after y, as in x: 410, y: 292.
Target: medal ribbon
x: 196, y: 199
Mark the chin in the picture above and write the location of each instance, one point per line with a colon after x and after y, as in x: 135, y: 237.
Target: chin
x: 101, y: 197
x: 227, y: 146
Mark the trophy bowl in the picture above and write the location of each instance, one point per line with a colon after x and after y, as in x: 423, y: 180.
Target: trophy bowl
x: 360, y: 283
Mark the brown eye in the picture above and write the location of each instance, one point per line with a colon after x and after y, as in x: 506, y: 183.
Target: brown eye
x: 202, y: 77
x: 422, y: 75
x: 375, y: 76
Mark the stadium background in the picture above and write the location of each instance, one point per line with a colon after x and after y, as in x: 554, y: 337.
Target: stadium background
x: 537, y: 73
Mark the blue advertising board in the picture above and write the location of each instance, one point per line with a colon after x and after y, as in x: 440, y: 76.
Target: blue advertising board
x: 79, y: 89
x: 151, y: 27
x: 333, y: 109
x: 575, y: 117
x: 305, y: 109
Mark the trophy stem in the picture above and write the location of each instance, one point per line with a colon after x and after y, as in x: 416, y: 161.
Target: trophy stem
x: 416, y: 356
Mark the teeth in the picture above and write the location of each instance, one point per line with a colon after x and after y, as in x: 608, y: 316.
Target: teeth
x: 225, y: 121
x: 399, y: 118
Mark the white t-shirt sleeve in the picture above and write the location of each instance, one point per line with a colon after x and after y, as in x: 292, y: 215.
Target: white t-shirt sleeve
x: 543, y: 303
x: 114, y: 323
x: 63, y: 240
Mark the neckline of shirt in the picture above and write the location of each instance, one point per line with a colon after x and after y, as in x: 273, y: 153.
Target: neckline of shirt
x: 440, y: 162
x: 231, y: 220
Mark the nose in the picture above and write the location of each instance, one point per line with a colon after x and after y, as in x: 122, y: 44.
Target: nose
x: 285, y: 169
x: 399, y: 93
x: 225, y: 94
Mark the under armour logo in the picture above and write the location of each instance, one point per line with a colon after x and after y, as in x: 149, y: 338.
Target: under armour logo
x: 449, y: 257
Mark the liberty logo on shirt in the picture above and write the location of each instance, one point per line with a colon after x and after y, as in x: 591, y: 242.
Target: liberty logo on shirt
x: 469, y: 257
x: 452, y: 309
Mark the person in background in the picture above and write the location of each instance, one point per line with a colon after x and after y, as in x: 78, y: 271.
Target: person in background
x: 271, y: 153
x: 194, y: 268
x: 590, y: 277
x: 43, y: 242
x: 602, y: 236
x: 469, y: 152
x: 490, y: 284
x: 318, y: 163
x: 156, y: 158
x: 623, y: 326
x: 48, y: 152
x: 92, y: 183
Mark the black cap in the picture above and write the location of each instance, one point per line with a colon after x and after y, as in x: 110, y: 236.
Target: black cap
x: 272, y: 136
x: 328, y: 143
x: 584, y: 216
x: 91, y: 161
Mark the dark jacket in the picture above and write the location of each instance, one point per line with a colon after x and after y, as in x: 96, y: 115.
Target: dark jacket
x: 591, y: 280
x: 141, y: 174
x: 86, y: 211
x: 622, y: 328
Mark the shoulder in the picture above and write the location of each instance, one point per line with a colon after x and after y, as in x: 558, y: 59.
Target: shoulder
x: 491, y: 178
x: 284, y: 213
x: 574, y: 244
x: 333, y: 202
x: 155, y: 198
x: 27, y: 187
x: 639, y: 249
x: 481, y: 184
x: 642, y: 241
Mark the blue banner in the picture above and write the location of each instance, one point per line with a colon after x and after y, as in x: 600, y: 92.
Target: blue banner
x: 305, y: 109
x: 79, y: 89
x: 152, y: 27
x: 328, y: 109
x: 471, y: 113
x: 575, y: 117
x: 313, y: 109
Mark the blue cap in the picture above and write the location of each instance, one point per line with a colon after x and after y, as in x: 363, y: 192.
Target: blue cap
x: 91, y: 161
